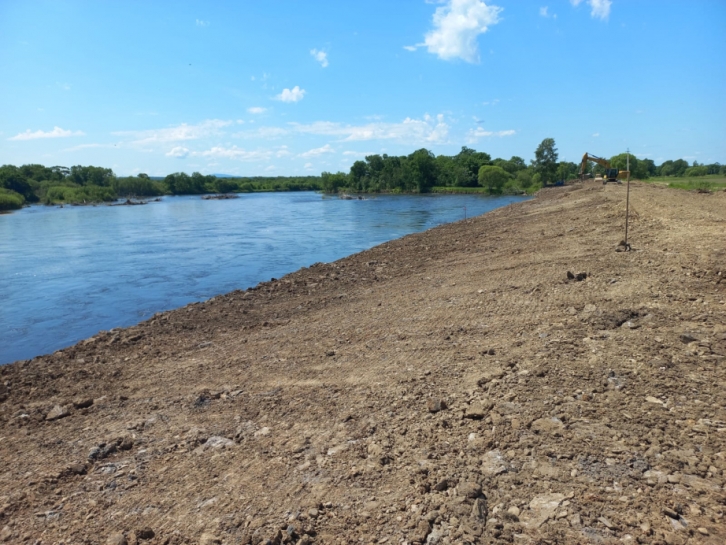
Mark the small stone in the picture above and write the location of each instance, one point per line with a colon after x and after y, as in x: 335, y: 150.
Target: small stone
x: 514, y: 510
x: 435, y: 405
x: 116, y: 539
x: 313, y: 513
x: 703, y: 531
x: 553, y: 426
x: 83, y: 403
x: 687, y: 338
x: 542, y: 508
x: 469, y: 489
x: 330, y: 353
x: 490, y: 375
x: 479, y: 510
x: 475, y: 411
x: 442, y: 485
x: 423, y: 529
x: 209, y: 539
x: 262, y: 432
x: 651, y: 399
x: 77, y: 469
x: 217, y: 442
x: 145, y: 533
x: 493, y: 463
x: 606, y: 522
x: 57, y: 412
x: 670, y: 512
x: 127, y: 443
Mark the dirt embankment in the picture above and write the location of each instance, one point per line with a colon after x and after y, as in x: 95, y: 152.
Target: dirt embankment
x: 453, y: 386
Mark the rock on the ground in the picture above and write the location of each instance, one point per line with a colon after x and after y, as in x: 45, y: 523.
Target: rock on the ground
x: 57, y: 412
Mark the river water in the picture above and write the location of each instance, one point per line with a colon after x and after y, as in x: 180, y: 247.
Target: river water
x: 66, y: 274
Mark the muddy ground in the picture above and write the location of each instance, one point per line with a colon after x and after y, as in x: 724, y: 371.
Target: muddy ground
x: 453, y: 386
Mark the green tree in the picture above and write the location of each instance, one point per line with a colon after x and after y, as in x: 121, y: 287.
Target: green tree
x: 470, y: 161
x: 12, y: 179
x: 91, y: 175
x: 493, y: 178
x: 566, y: 171
x: 358, y: 175
x: 697, y: 170
x: 333, y: 182
x: 422, y: 168
x: 545, y: 160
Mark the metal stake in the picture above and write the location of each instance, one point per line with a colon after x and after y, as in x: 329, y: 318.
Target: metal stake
x: 627, y: 202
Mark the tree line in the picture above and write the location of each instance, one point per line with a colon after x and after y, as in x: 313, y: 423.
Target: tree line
x: 420, y: 172
x: 89, y: 184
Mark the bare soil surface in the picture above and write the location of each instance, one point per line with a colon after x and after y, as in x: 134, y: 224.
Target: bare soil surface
x: 453, y: 386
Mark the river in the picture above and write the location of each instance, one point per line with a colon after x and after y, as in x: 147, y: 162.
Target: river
x: 66, y: 274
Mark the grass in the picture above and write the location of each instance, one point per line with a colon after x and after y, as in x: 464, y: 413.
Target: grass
x: 713, y: 182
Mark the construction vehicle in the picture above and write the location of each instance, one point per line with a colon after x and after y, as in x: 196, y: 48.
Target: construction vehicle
x: 611, y: 174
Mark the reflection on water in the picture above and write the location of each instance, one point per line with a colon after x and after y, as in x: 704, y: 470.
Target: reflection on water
x: 67, y: 273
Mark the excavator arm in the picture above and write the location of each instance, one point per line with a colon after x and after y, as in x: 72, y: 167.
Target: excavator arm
x: 611, y: 174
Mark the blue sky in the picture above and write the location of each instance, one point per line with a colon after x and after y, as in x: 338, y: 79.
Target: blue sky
x: 284, y: 87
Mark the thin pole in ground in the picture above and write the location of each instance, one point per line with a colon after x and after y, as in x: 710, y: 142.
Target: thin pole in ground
x: 627, y: 201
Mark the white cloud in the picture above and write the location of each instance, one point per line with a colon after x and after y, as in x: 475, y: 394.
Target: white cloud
x: 308, y: 166
x: 291, y: 95
x: 474, y: 134
x: 358, y: 153
x: 456, y: 27
x: 428, y: 129
x: 57, y: 132
x: 410, y: 47
x: 234, y: 152
x: 424, y: 130
x: 89, y: 146
x: 176, y: 134
x: 317, y: 151
x: 202, y: 23
x: 543, y: 11
x: 320, y: 56
x: 598, y: 8
x: 178, y: 151
x: 257, y: 110
x: 595, y: 135
x: 270, y: 168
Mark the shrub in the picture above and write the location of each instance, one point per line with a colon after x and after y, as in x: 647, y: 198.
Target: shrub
x: 10, y: 200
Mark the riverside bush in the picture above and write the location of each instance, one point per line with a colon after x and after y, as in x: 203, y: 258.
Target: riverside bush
x: 80, y: 195
x: 10, y: 200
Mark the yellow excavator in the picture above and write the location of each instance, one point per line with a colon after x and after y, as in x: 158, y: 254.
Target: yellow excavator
x: 611, y: 174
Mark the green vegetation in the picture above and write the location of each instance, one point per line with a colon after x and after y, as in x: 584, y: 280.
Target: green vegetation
x: 89, y: 184
x: 10, y: 200
x: 712, y: 182
x: 469, y: 171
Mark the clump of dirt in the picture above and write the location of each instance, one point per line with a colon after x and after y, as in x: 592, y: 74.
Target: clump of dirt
x: 453, y: 386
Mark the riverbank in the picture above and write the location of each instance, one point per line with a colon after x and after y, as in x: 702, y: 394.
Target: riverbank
x: 453, y: 385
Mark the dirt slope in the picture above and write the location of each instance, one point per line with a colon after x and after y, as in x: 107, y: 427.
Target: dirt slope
x: 452, y: 386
